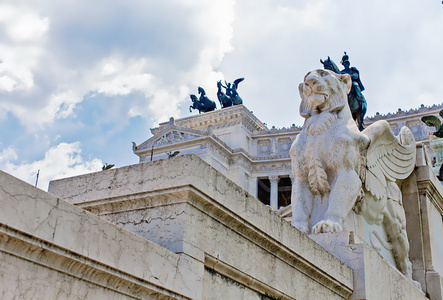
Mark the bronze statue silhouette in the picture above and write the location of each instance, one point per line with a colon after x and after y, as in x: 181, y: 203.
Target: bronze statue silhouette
x: 328, y: 64
x: 225, y: 101
x: 203, y: 104
x: 231, y: 91
x: 434, y: 121
x: 356, y: 100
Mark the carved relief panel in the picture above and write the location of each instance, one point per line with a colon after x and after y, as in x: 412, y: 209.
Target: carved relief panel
x: 274, y: 146
x: 264, y: 147
x: 285, y: 145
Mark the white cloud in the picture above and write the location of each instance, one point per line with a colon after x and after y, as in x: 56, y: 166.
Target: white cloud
x: 8, y: 154
x: 53, y: 41
x: 60, y: 106
x: 35, y: 117
x: 22, y: 24
x: 144, y: 59
x: 117, y: 76
x: 122, y: 77
x: 20, y: 53
x: 18, y: 64
x: 63, y: 160
x: 217, y: 23
x: 313, y: 14
x: 7, y: 83
x: 165, y: 103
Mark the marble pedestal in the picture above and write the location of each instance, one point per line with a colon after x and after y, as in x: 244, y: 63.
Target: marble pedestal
x: 374, y: 277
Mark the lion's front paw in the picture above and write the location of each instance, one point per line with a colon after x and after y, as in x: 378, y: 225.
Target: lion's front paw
x: 326, y: 226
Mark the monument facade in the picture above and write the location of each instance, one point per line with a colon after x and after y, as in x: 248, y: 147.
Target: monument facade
x: 205, y: 213
x: 244, y: 149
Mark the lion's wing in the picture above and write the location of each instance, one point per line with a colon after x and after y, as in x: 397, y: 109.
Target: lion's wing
x: 389, y: 157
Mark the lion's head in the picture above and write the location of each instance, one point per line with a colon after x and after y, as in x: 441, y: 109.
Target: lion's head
x: 323, y: 90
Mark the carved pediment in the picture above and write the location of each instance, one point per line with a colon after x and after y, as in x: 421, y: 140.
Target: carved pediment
x: 172, y: 135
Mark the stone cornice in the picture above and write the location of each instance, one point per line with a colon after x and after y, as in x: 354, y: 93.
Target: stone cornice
x: 52, y: 256
x: 231, y: 115
x: 273, y: 158
x: 285, y: 131
x: 400, y: 114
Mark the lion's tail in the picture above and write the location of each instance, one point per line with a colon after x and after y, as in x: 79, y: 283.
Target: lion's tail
x: 317, y: 177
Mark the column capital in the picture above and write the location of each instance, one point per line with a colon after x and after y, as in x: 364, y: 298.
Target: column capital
x: 274, y: 179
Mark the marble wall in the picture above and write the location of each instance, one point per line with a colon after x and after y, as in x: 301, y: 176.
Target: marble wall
x: 50, y: 249
x: 203, y: 215
x: 173, y: 229
x: 247, y: 250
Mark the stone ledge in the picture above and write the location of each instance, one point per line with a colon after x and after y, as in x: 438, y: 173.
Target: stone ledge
x: 42, y: 230
x: 195, y: 248
x: 51, y: 256
x: 218, y: 204
x: 236, y: 275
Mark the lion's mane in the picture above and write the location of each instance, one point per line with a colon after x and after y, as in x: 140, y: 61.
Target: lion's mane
x: 318, y: 119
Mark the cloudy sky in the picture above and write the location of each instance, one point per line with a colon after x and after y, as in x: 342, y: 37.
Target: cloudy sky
x: 80, y: 80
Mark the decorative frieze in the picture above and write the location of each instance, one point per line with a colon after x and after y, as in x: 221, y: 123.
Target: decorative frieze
x: 274, y: 146
x: 273, y: 167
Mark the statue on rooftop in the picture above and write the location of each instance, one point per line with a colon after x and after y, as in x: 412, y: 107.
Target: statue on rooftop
x: 356, y: 100
x: 231, y: 97
x: 225, y: 101
x: 203, y: 104
x: 434, y: 121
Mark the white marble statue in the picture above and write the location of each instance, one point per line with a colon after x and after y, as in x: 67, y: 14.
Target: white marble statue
x: 338, y: 169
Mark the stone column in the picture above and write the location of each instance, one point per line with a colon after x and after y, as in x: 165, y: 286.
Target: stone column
x: 253, y: 186
x: 274, y: 191
x: 292, y: 184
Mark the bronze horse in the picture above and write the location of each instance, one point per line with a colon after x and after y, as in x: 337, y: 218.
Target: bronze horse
x: 357, y: 105
x: 204, y: 104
